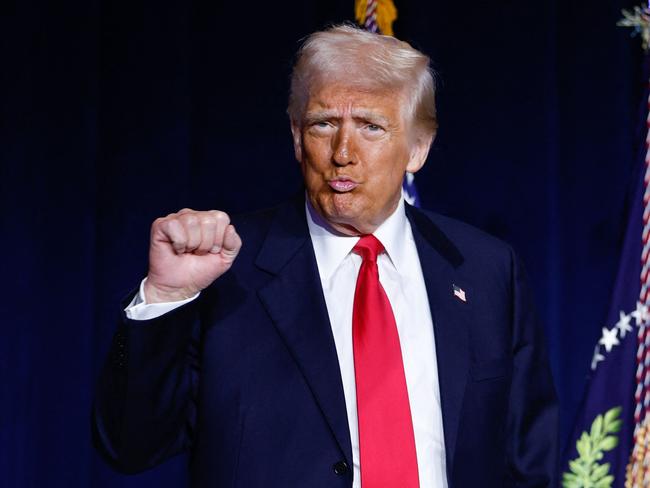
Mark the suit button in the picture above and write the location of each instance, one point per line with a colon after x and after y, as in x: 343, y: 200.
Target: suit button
x: 341, y: 468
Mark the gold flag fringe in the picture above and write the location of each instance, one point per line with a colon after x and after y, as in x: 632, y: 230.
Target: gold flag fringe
x: 386, y: 14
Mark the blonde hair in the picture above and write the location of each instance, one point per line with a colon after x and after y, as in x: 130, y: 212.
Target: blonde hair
x: 349, y: 55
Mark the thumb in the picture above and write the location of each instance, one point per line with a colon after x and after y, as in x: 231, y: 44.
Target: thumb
x: 231, y: 242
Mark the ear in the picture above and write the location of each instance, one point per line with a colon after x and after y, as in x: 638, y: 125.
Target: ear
x: 297, y: 140
x: 419, y: 152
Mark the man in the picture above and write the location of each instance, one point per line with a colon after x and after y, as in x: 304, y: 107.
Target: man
x: 352, y: 340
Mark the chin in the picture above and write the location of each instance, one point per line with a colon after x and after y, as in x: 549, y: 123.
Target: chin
x: 350, y: 223
x: 345, y: 207
x: 343, y: 211
x: 344, y: 222
x: 348, y: 204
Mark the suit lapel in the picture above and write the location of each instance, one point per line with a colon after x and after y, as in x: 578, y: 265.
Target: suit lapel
x: 295, y: 302
x: 441, y: 261
x: 304, y: 325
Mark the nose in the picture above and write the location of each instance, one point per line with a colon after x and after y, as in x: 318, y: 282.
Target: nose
x: 343, y: 146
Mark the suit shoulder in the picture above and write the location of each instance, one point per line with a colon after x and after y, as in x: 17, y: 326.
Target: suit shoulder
x: 253, y: 227
x: 254, y: 222
x: 459, y: 230
x: 285, y: 223
x: 471, y: 242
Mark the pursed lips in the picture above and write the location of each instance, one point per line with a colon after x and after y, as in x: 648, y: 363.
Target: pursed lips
x: 342, y: 184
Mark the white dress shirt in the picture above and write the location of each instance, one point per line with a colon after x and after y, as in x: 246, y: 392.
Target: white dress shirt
x: 401, y: 277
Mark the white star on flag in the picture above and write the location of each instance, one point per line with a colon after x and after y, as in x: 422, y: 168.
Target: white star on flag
x: 609, y: 339
x: 598, y: 357
x: 623, y: 324
x: 640, y: 314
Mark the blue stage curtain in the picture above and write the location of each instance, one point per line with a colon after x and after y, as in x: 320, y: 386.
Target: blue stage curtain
x: 114, y: 113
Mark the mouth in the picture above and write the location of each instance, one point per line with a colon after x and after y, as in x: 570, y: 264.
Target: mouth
x: 342, y: 184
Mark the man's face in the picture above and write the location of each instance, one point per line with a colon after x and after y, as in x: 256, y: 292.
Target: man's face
x: 354, y: 146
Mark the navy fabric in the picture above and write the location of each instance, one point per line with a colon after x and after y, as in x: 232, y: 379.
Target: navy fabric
x: 613, y: 375
x: 247, y: 378
x: 115, y: 113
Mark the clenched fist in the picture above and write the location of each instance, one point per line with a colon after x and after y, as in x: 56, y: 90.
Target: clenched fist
x: 188, y: 251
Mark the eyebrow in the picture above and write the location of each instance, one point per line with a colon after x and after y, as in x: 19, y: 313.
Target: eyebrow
x: 369, y: 115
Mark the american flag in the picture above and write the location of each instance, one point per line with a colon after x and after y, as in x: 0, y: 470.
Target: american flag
x: 459, y: 293
x: 610, y: 445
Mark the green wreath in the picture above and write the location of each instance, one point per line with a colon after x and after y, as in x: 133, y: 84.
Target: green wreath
x: 585, y: 471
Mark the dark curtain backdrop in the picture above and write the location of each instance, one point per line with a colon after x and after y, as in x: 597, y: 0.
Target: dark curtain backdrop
x: 114, y: 113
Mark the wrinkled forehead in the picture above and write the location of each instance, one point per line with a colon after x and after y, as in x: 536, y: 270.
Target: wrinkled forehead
x: 357, y: 99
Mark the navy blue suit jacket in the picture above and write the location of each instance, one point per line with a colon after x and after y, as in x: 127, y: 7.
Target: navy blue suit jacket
x: 246, y: 377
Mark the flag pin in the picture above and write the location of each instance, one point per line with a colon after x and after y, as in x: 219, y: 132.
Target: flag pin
x: 459, y: 293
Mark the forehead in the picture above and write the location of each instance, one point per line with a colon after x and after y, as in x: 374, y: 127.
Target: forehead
x: 343, y: 99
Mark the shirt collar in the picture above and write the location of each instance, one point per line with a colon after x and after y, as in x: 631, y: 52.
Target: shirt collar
x: 331, y: 248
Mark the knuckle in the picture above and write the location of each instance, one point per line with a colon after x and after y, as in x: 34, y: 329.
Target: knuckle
x: 165, y: 225
x: 190, y: 219
x: 160, y: 221
x: 208, y: 220
x: 222, y: 217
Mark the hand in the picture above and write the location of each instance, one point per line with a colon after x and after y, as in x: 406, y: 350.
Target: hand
x: 188, y: 251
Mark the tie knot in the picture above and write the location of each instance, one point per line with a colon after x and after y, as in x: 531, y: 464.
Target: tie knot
x: 369, y: 247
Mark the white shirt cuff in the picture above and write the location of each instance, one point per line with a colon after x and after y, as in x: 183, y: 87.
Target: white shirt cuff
x: 139, y: 309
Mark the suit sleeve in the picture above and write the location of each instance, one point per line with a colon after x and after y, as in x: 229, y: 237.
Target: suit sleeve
x: 532, y: 427
x: 145, y: 402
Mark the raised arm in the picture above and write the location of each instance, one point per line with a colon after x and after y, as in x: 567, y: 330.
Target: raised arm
x: 145, y: 401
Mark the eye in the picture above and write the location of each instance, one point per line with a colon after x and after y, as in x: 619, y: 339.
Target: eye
x: 320, y: 126
x: 373, y: 130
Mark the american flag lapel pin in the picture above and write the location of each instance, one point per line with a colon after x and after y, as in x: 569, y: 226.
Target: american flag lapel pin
x: 459, y: 293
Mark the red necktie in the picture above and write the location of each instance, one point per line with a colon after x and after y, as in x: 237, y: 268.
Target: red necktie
x: 386, y: 440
